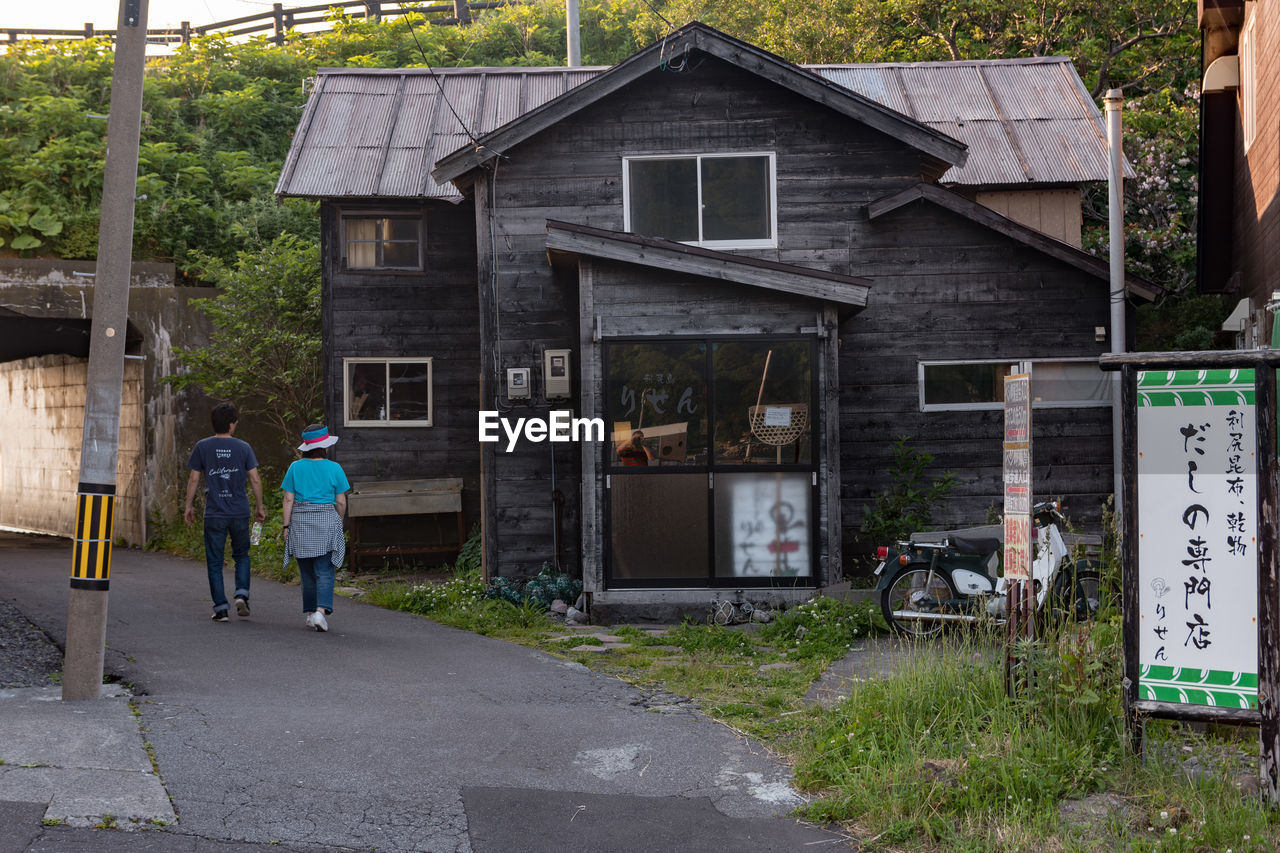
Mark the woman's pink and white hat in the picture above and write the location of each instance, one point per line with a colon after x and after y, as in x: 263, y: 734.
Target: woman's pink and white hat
x: 316, y: 436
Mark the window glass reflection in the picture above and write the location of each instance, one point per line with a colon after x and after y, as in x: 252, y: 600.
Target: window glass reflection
x: 762, y: 402
x: 656, y: 403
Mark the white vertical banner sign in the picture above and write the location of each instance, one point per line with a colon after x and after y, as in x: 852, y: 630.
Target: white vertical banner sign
x: 1017, y: 476
x: 1197, y: 538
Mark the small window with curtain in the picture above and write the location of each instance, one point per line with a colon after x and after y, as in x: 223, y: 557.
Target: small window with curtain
x: 715, y: 200
x: 387, y: 392
x: 382, y: 242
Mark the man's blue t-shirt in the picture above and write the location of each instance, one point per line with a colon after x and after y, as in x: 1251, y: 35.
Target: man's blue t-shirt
x: 315, y: 481
x: 225, y: 462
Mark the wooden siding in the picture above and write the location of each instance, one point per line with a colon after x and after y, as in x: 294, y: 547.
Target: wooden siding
x: 1053, y: 212
x: 949, y: 289
x: 432, y: 313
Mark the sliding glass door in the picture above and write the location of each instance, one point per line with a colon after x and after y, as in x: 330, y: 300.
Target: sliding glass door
x: 711, y: 470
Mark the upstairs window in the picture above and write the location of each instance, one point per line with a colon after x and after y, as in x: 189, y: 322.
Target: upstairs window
x: 382, y: 242
x: 722, y: 201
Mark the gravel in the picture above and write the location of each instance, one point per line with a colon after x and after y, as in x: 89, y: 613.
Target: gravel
x: 28, y: 658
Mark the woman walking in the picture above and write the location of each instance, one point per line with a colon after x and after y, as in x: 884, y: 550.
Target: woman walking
x: 315, y: 502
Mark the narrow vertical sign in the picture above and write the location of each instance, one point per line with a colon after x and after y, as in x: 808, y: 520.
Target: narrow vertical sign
x: 1197, y: 538
x: 1017, y: 476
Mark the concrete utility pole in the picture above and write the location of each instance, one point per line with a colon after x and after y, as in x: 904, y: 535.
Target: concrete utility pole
x: 100, y: 444
x: 1114, y: 102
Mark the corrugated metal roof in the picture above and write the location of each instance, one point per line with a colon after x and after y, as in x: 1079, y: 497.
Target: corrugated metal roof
x: 379, y: 132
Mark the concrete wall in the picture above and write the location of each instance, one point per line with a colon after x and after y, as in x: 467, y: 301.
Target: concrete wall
x: 169, y: 421
x: 41, y: 422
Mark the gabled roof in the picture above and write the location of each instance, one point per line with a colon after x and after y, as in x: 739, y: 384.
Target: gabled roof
x: 665, y: 53
x: 988, y: 218
x: 379, y: 133
x: 568, y: 237
x: 1026, y: 121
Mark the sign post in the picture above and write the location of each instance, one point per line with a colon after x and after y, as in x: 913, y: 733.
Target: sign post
x: 1018, y: 503
x: 1201, y: 598
x: 1019, y: 602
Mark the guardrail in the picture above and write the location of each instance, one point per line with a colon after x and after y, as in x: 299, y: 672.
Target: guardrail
x: 277, y: 22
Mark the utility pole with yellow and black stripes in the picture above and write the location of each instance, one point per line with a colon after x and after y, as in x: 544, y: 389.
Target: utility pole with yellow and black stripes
x: 100, y: 444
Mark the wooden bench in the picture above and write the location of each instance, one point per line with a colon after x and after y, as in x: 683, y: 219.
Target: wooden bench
x: 380, y: 523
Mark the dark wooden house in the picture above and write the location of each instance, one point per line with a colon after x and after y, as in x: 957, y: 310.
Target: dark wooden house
x: 770, y: 272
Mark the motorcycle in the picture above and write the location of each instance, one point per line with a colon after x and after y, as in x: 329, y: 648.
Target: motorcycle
x: 935, y: 579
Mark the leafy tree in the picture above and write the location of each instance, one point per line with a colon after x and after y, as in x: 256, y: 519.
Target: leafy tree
x: 264, y: 351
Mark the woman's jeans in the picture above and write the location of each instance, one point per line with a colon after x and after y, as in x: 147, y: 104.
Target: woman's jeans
x: 216, y: 531
x: 317, y: 583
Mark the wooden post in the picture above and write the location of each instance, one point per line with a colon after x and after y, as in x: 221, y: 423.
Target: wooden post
x: 88, y: 30
x: 1127, y: 527
x: 186, y: 32
x: 1268, y: 583
x: 462, y: 11
x: 277, y: 12
x: 373, y: 9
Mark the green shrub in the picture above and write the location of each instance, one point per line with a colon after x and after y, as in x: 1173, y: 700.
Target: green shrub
x: 907, y: 505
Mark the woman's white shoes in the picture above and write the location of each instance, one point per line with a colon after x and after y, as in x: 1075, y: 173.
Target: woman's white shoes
x: 316, y: 620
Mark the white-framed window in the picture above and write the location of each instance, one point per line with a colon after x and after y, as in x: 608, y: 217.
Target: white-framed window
x: 947, y: 386
x: 382, y: 241
x: 394, y: 392
x: 1249, y: 80
x: 723, y: 201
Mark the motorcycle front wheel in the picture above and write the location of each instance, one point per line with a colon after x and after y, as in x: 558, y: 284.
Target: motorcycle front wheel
x: 1077, y: 595
x: 911, y: 592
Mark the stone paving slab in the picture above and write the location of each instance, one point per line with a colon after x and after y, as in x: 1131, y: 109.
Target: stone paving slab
x: 80, y: 761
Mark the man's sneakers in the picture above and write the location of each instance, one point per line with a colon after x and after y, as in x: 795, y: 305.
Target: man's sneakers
x: 221, y: 616
x: 242, y: 608
x: 316, y: 620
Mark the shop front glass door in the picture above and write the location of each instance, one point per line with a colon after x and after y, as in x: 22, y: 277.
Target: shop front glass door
x: 710, y: 467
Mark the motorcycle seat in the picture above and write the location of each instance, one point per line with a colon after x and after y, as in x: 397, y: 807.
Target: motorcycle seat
x: 977, y: 546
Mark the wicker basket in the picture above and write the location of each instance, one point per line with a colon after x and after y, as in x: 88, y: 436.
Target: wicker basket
x: 778, y: 435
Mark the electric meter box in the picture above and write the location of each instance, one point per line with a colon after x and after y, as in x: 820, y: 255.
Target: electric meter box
x: 518, y: 383
x: 555, y: 374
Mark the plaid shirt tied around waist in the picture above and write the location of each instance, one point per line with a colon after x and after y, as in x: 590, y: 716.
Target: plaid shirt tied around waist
x: 315, y: 530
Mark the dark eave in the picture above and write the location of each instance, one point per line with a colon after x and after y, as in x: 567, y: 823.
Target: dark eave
x: 566, y: 237
x: 940, y: 148
x: 985, y: 216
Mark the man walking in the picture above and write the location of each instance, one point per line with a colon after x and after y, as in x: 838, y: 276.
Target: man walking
x: 227, y: 462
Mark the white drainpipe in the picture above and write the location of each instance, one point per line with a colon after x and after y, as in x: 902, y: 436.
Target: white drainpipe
x: 1114, y: 102
x: 571, y: 28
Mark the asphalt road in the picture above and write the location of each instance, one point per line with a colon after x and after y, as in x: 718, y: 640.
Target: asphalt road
x: 393, y: 733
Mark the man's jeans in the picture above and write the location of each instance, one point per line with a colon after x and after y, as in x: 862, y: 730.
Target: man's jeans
x: 216, y: 531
